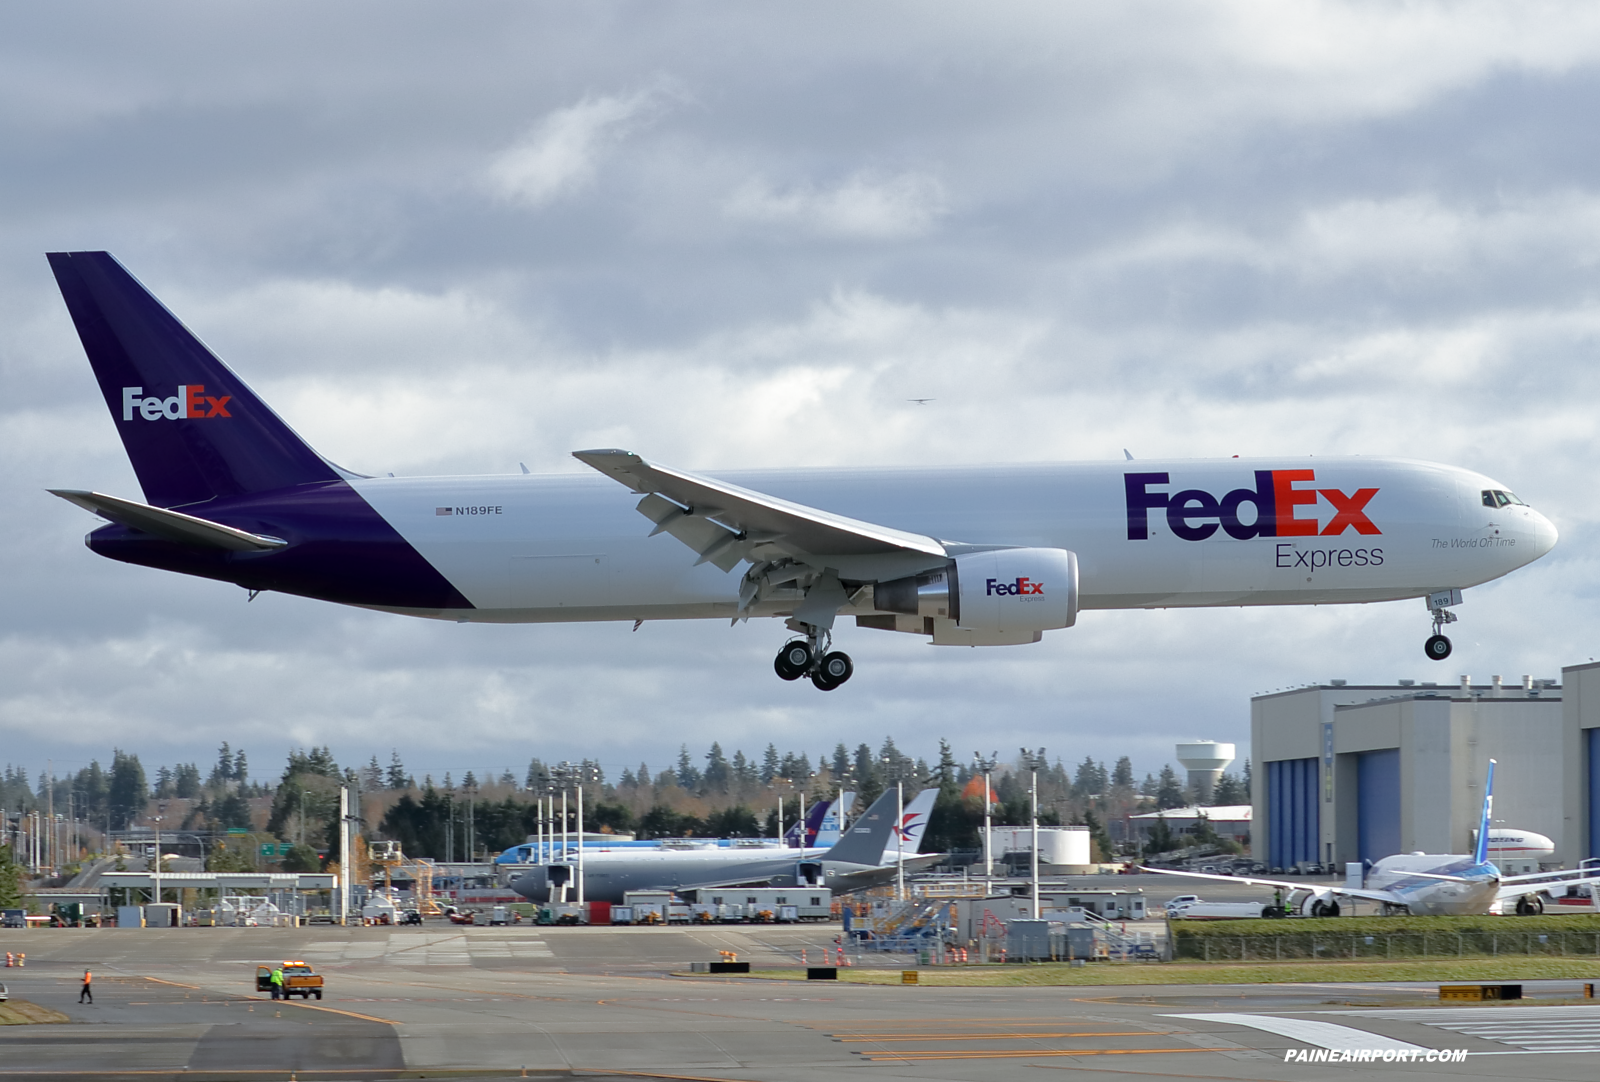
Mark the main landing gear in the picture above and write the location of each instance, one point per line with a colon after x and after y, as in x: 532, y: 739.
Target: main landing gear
x: 1438, y: 645
x: 810, y: 657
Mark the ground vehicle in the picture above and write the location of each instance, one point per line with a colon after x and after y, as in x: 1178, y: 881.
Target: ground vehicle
x: 499, y: 915
x: 13, y: 918
x: 1180, y: 901
x: 298, y: 980
x: 4, y: 995
x: 411, y: 916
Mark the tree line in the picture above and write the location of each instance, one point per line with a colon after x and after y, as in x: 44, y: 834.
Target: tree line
x: 712, y: 794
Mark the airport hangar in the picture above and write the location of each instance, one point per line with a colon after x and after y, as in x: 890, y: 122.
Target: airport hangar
x: 1348, y: 772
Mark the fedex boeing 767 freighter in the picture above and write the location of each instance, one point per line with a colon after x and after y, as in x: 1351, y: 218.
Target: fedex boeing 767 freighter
x: 968, y: 556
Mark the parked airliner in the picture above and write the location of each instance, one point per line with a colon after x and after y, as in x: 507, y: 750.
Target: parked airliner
x: 865, y: 856
x: 1427, y: 884
x: 969, y: 556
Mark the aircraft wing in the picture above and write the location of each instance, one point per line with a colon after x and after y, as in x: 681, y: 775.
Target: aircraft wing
x: 1347, y: 892
x: 725, y: 523
x: 1519, y: 886
x: 172, y: 525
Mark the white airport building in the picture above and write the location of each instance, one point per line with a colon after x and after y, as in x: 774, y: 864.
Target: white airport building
x: 1346, y: 772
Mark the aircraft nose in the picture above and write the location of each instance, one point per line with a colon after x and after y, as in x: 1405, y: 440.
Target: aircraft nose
x: 1542, y: 533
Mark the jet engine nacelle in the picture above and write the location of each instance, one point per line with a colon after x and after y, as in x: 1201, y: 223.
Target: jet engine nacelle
x: 1006, y: 591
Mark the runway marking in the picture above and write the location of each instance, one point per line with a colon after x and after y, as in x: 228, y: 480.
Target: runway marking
x: 347, y: 1014
x: 914, y: 1057
x: 878, y: 1038
x: 175, y: 984
x: 1321, y: 1034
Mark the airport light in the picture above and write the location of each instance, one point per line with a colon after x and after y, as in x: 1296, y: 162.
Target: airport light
x: 1034, y: 763
x: 986, y: 768
x: 162, y: 809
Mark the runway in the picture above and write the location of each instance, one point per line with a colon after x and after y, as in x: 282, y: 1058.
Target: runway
x: 470, y: 1002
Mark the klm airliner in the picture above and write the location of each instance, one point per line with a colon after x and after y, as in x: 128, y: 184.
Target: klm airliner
x: 968, y: 556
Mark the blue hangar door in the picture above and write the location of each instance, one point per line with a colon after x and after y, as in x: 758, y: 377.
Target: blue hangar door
x: 1592, y: 738
x: 1378, y: 804
x: 1294, y: 829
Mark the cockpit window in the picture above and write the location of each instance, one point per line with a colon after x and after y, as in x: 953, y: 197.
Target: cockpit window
x: 1496, y: 497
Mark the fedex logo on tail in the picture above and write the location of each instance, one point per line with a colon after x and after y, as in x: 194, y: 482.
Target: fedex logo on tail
x: 1275, y: 503
x: 190, y: 402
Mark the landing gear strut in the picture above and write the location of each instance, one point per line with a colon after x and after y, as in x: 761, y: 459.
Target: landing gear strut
x: 1438, y: 645
x: 810, y: 657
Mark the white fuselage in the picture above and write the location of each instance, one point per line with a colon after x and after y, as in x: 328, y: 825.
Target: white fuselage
x: 1472, y: 893
x: 545, y: 548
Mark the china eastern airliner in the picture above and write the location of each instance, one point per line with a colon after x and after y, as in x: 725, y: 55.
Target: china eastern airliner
x: 964, y: 556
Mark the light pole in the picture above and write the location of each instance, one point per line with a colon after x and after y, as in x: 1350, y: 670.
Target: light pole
x: 986, y: 768
x: 162, y: 809
x: 1033, y: 763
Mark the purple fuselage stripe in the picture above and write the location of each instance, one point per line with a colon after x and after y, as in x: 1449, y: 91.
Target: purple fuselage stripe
x: 340, y: 550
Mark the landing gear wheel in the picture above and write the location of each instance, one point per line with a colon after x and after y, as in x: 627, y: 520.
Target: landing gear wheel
x: 836, y: 668
x: 793, y: 660
x: 1528, y: 906
x: 1437, y: 647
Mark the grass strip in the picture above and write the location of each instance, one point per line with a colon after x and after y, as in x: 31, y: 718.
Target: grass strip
x: 1487, y: 969
x: 19, y: 1012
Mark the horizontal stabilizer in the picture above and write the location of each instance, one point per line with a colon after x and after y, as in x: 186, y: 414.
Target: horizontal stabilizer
x: 172, y: 525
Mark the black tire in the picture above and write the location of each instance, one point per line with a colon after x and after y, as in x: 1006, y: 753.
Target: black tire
x: 836, y: 667
x: 1437, y: 647
x: 792, y: 661
x: 822, y: 682
x: 318, y: 994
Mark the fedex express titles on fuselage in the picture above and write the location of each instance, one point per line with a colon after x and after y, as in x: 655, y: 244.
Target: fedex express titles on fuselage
x: 973, y: 555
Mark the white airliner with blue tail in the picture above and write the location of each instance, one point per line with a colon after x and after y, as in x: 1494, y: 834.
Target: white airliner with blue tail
x: 966, y: 556
x: 1425, y: 884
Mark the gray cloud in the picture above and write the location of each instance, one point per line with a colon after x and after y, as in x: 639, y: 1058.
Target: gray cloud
x: 454, y: 240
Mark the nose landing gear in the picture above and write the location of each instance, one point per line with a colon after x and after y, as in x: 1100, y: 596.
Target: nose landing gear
x: 1438, y: 645
x: 810, y: 657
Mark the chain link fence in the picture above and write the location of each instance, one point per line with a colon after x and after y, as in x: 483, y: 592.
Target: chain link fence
x: 1385, y: 945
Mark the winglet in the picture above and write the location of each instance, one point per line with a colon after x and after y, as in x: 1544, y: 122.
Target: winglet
x: 1482, y: 854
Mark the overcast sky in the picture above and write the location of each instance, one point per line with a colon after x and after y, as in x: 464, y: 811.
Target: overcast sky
x: 454, y: 237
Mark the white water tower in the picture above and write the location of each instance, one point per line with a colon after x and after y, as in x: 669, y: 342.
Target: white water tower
x: 1205, y: 760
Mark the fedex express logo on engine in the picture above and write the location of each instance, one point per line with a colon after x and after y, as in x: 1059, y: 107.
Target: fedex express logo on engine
x: 1022, y: 585
x: 190, y: 402
x: 1275, y: 508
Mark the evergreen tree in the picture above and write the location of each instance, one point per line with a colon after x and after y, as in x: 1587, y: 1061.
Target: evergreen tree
x: 128, y: 792
x: 688, y: 775
x: 241, y: 767
x: 371, y: 776
x: 1122, y: 773
x: 840, y: 765
x: 396, y: 776
x: 627, y: 781
x: 946, y: 773
x: 769, y: 764
x: 10, y: 880
x: 718, y: 774
x: 222, y: 772
x: 163, y: 783
x: 744, y: 771
x: 867, y: 776
x: 1161, y: 837
x: 1169, y: 793
x: 1149, y: 787
x: 186, y: 781
x: 1229, y: 790
x: 1098, y: 836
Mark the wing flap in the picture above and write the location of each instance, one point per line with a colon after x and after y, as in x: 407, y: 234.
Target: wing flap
x: 675, y: 499
x: 172, y: 525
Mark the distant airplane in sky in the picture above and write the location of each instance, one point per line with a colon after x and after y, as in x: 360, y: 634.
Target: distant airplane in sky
x: 968, y: 556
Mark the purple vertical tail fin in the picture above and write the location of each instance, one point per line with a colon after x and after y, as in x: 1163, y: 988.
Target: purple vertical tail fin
x: 192, y: 429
